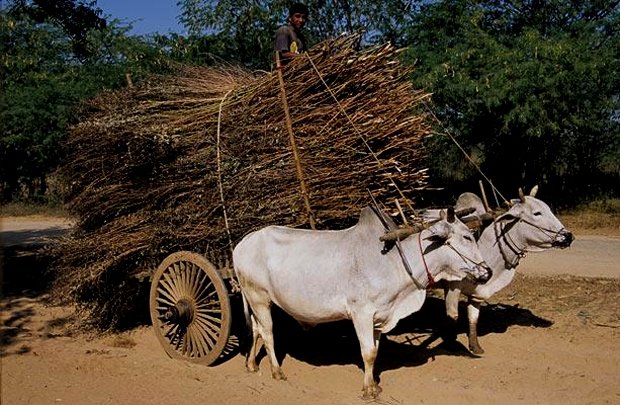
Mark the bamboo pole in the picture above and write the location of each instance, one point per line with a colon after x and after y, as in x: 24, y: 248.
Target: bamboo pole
x: 484, y: 197
x: 291, y: 135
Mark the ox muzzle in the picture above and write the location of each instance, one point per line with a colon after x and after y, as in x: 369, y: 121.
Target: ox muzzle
x: 480, y: 274
x: 563, y: 239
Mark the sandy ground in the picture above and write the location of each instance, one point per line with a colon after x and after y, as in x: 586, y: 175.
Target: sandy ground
x: 551, y: 337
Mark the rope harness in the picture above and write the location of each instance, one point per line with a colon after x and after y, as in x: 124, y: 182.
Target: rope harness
x: 509, y: 241
x: 429, y: 276
x: 467, y: 258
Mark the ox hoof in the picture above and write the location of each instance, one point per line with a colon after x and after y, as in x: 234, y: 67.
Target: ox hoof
x: 476, y: 349
x: 251, y: 366
x: 371, y: 392
x: 278, y: 375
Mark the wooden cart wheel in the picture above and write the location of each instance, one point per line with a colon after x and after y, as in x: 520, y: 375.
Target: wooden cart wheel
x: 190, y: 309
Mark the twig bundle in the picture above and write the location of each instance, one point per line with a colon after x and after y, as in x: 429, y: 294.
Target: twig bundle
x: 144, y: 172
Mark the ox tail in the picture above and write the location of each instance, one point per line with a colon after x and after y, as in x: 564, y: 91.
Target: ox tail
x: 247, y: 340
x: 247, y: 311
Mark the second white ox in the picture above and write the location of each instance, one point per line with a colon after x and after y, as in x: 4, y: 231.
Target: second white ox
x: 529, y: 225
x: 324, y: 276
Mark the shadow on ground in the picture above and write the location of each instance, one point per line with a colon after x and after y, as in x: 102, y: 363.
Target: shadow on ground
x: 412, y: 343
x: 31, y: 237
x: 25, y: 282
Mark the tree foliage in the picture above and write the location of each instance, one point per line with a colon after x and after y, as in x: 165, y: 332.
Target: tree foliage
x: 528, y: 88
x: 76, y: 19
x: 51, y: 59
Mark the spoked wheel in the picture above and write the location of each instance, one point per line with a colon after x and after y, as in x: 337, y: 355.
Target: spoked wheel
x: 190, y: 309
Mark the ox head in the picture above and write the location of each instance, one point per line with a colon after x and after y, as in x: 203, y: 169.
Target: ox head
x: 538, y: 226
x: 456, y: 251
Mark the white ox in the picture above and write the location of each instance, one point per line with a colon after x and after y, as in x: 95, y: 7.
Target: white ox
x: 324, y: 276
x: 529, y: 225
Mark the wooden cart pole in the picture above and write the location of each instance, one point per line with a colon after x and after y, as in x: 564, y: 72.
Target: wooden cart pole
x: 484, y: 197
x: 289, y: 127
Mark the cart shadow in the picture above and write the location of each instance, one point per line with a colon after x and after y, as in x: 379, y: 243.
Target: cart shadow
x: 415, y: 341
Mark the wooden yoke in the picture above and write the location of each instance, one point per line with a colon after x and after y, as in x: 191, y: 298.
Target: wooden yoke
x: 400, y: 233
x: 289, y: 127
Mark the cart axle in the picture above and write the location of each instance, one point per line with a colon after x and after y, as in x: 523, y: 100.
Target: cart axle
x: 182, y: 313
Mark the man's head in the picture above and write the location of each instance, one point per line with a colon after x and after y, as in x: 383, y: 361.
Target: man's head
x: 297, y: 15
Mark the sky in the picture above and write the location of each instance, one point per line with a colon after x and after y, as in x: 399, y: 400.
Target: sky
x: 146, y: 16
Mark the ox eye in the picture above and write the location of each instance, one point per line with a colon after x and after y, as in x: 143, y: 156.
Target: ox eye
x: 467, y: 237
x: 537, y: 213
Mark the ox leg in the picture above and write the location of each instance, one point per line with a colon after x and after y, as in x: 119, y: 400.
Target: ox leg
x: 452, y: 310
x: 473, y: 312
x: 250, y: 361
x: 368, y: 337
x: 264, y: 326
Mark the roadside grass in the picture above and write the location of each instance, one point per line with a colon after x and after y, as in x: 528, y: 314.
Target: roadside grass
x: 595, y: 215
x: 21, y: 209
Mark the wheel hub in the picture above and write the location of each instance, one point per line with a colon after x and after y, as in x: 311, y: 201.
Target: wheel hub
x: 182, y: 313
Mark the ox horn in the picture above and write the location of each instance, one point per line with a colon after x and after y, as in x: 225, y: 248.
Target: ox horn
x: 521, y: 196
x: 473, y: 223
x: 534, y: 191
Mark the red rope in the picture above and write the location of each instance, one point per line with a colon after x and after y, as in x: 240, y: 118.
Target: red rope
x: 431, y: 281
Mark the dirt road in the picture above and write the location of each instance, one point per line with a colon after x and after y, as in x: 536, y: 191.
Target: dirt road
x: 552, y: 337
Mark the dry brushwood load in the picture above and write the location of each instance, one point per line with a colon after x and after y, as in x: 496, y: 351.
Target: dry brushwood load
x: 151, y: 173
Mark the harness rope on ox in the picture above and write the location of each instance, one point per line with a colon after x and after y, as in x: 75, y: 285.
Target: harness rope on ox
x: 431, y: 280
x: 396, y: 242
x: 504, y: 234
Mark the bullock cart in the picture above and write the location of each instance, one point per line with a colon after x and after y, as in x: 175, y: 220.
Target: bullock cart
x: 166, y: 178
x: 190, y: 296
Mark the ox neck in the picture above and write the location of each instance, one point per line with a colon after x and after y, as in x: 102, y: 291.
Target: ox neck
x: 501, y: 236
x: 387, y: 226
x: 428, y: 278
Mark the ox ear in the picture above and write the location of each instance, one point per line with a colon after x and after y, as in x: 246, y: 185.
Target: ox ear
x: 521, y: 195
x: 534, y: 191
x: 439, y: 232
x: 506, y: 217
x: 515, y: 211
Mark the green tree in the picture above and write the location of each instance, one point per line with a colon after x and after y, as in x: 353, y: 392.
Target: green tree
x: 528, y: 88
x: 33, y: 64
x: 75, y: 18
x: 44, y: 75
